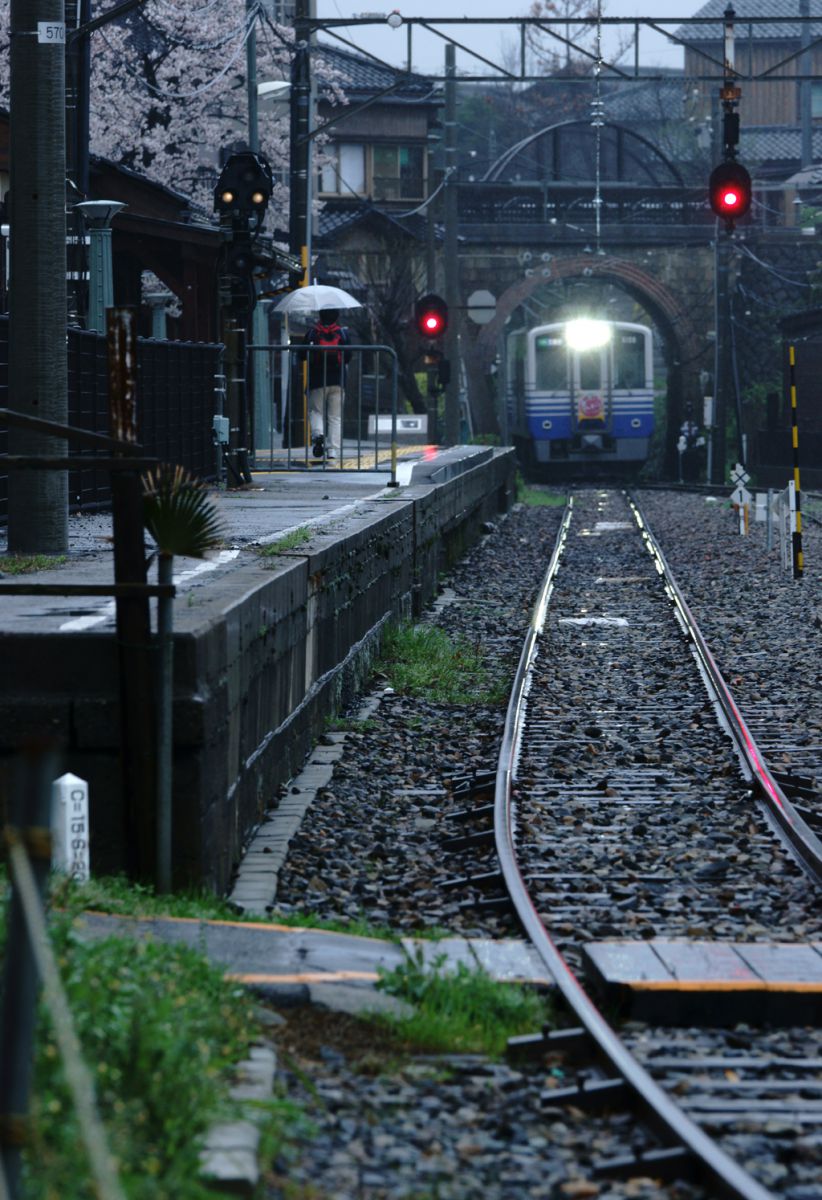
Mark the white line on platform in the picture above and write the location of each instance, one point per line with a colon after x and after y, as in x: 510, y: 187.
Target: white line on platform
x: 108, y: 610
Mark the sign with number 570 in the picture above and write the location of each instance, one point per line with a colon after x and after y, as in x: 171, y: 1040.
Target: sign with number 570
x: 51, y: 32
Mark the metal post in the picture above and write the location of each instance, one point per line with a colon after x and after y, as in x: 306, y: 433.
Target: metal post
x: 38, y: 382
x: 724, y: 375
x: 98, y: 215
x: 165, y: 707
x: 796, y: 538
x: 452, y: 390
x: 137, y: 730
x: 29, y: 817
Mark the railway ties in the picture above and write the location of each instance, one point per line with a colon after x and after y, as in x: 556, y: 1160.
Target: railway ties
x: 622, y: 813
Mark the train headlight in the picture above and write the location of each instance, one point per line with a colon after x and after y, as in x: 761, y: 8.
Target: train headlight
x: 585, y: 334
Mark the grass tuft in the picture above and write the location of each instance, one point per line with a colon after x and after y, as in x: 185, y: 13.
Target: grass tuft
x: 24, y: 564
x: 290, y: 541
x: 162, y: 1031
x: 463, y: 1010
x: 421, y: 660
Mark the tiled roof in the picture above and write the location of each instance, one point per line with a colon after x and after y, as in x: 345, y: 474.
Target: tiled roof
x: 360, y: 77
x: 336, y: 219
x: 776, y: 144
x: 751, y: 8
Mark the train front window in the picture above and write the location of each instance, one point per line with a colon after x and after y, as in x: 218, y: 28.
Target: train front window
x: 590, y: 370
x: 629, y: 361
x: 550, y: 363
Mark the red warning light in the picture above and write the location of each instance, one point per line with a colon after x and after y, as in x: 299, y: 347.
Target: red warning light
x: 730, y: 190
x: 431, y: 315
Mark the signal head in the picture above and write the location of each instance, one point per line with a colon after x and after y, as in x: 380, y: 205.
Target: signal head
x: 729, y: 190
x: 431, y: 315
x: 244, y: 186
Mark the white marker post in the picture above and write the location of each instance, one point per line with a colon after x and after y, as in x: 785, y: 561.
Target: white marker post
x: 70, y: 827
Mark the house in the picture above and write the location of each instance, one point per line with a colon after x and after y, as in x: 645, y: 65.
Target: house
x: 766, y: 55
x: 377, y: 147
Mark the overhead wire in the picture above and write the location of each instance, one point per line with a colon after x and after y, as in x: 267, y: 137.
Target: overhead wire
x: 770, y: 269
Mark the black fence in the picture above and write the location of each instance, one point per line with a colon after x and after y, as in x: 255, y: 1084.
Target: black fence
x: 176, y: 403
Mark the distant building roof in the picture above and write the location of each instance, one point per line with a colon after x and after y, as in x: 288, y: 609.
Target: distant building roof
x: 751, y: 8
x: 776, y: 146
x: 360, y: 77
x: 335, y: 219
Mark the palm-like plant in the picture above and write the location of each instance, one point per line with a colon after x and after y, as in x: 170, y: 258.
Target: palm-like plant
x: 181, y: 517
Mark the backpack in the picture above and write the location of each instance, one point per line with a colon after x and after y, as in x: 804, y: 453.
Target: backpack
x: 329, y: 335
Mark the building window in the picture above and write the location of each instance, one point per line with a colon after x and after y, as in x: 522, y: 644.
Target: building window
x: 816, y: 101
x: 344, y: 173
x: 398, y: 173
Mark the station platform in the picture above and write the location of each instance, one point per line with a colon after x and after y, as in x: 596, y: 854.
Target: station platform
x: 701, y: 982
x: 272, y: 635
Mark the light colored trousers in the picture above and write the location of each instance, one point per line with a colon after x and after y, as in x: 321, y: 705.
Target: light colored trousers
x: 320, y: 401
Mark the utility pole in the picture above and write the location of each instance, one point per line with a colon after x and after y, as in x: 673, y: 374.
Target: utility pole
x: 805, y: 68
x: 723, y: 378
x: 452, y: 390
x: 38, y: 383
x: 299, y: 227
x: 251, y: 75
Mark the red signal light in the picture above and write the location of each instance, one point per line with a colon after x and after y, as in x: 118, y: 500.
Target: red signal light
x: 431, y: 315
x: 730, y: 190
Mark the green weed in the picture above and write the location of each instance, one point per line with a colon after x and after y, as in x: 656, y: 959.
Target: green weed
x: 421, y: 660
x: 350, y: 725
x: 24, y: 564
x: 537, y: 497
x: 464, y: 1011
x: 290, y: 541
x: 162, y: 1031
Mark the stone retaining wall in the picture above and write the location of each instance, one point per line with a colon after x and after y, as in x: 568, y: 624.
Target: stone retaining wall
x: 263, y: 655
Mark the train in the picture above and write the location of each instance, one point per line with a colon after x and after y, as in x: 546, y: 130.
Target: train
x: 581, y: 392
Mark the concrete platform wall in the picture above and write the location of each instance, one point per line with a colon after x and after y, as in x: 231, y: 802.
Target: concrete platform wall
x: 263, y: 655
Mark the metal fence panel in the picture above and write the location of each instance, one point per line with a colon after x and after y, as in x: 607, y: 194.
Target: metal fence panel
x: 176, y: 405
x: 303, y: 377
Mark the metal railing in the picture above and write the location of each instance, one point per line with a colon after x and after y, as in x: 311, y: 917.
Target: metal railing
x: 291, y: 379
x: 558, y: 203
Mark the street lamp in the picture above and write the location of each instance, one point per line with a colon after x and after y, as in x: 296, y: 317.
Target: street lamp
x: 98, y: 215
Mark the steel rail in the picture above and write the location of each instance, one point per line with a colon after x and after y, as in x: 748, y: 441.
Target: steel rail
x: 797, y: 835
x: 711, y: 1163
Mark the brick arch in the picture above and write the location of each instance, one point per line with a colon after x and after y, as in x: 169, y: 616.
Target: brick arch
x: 683, y: 343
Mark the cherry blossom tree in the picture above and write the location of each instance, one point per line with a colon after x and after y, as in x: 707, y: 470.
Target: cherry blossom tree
x: 168, y: 89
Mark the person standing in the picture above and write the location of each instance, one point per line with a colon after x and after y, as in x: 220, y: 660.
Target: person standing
x: 326, y: 380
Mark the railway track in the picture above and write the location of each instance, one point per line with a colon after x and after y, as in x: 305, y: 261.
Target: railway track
x: 632, y: 802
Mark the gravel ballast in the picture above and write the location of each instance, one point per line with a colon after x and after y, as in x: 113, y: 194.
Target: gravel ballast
x: 371, y: 847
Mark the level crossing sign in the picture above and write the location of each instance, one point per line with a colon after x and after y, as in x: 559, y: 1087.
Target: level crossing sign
x: 739, y: 477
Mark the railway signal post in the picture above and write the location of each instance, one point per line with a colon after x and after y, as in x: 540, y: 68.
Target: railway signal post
x: 240, y: 198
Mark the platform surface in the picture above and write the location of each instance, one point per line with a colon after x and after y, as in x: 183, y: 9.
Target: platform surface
x: 278, y: 502
x: 683, y: 981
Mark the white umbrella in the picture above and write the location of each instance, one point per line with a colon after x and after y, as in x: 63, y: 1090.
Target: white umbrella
x: 315, y: 297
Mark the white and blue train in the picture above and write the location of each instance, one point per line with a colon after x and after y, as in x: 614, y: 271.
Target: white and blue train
x: 582, y: 392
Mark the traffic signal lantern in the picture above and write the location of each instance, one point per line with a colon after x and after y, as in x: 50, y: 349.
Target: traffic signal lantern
x: 431, y: 316
x: 244, y: 187
x: 730, y: 190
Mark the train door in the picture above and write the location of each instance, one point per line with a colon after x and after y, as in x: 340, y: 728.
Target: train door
x: 591, y: 393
